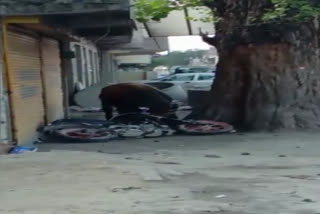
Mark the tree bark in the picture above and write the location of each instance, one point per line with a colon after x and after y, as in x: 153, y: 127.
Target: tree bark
x: 268, y: 76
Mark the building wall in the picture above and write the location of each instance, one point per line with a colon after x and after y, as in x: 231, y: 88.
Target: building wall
x: 89, y: 73
x: 130, y: 76
x: 110, y: 73
x: 54, y: 6
x: 134, y: 59
x: 124, y: 76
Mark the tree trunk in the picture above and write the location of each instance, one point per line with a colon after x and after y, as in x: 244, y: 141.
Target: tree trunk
x: 268, y: 75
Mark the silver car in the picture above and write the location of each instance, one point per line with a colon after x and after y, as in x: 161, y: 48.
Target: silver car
x: 191, y: 81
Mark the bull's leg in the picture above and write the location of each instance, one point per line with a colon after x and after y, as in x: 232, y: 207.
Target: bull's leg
x: 107, y: 109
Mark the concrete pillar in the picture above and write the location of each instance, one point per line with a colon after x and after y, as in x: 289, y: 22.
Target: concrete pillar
x: 108, y: 68
x: 67, y: 78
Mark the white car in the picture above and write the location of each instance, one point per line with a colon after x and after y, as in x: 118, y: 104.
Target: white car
x: 191, y: 81
x: 177, y: 85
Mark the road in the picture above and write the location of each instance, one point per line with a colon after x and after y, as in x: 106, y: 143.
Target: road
x: 229, y: 174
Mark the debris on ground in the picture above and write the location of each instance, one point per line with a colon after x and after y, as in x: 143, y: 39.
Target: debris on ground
x: 11, y: 149
x: 131, y: 158
x: 167, y: 162
x: 302, y: 177
x: 122, y: 189
x: 212, y: 156
x: 22, y: 149
x: 308, y: 200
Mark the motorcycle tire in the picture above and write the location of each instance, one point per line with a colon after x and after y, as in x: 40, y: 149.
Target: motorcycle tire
x: 205, y: 127
x: 84, y: 134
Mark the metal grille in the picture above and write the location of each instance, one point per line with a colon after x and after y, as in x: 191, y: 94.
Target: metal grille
x: 52, y: 79
x: 24, y: 68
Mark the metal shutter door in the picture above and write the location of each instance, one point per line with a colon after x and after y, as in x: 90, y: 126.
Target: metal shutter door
x: 27, y: 94
x: 51, y: 70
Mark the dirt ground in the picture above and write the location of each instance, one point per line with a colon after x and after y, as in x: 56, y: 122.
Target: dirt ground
x: 228, y: 174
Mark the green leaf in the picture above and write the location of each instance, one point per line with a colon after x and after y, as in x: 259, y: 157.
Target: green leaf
x: 291, y: 10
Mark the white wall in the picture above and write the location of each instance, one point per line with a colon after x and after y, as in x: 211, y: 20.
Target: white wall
x: 134, y: 59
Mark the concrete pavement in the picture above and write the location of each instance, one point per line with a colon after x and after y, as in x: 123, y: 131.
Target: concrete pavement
x: 250, y: 173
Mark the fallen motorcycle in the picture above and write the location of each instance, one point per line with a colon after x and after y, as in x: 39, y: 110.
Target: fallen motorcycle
x: 130, y: 125
x: 195, y: 127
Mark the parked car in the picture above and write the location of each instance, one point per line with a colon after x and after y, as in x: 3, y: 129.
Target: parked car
x: 177, y: 85
x: 191, y: 81
x: 161, y: 71
x: 194, y: 69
